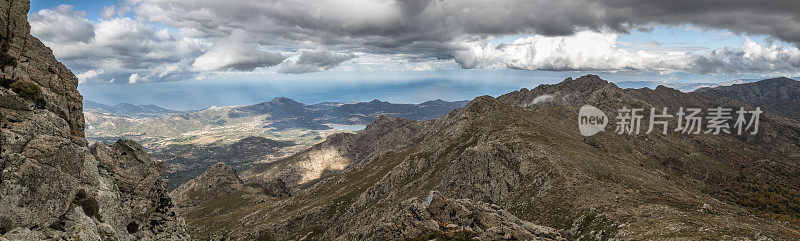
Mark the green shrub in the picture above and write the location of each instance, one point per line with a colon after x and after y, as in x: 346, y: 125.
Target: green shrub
x: 27, y: 90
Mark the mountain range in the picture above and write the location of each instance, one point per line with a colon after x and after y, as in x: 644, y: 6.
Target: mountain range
x: 241, y: 136
x: 280, y: 114
x: 127, y: 110
x: 516, y: 167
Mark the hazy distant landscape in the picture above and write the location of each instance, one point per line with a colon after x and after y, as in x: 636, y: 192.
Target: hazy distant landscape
x: 402, y: 87
x: 190, y: 142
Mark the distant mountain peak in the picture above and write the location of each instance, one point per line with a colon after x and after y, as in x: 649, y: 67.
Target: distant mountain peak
x: 587, y: 89
x: 283, y: 100
x: 436, y: 101
x: 779, y: 80
x: 130, y: 110
x: 222, y: 170
x: 589, y: 80
x: 663, y: 88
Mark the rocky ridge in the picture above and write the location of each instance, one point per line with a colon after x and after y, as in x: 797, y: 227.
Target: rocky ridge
x: 219, y: 180
x: 54, y: 185
x: 522, y: 153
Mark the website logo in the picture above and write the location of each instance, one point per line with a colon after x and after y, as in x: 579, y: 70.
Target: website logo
x: 591, y: 120
x: 628, y: 121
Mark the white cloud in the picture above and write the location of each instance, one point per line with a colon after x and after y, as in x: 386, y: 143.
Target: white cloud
x: 88, y: 75
x: 315, y: 61
x: 750, y: 58
x: 113, y: 47
x: 586, y: 50
x: 235, y: 53
x: 134, y: 78
x: 109, y: 12
x: 61, y: 24
x: 542, y: 99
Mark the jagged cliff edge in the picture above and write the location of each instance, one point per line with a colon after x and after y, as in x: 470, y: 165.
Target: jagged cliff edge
x: 53, y: 185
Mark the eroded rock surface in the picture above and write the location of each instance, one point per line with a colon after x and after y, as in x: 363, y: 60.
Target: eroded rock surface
x: 437, y: 214
x: 52, y: 184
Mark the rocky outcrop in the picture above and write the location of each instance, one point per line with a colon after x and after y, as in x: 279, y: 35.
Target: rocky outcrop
x: 779, y: 95
x: 54, y: 186
x: 219, y: 180
x: 438, y: 215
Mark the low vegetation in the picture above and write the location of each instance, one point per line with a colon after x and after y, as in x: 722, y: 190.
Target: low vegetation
x: 29, y: 91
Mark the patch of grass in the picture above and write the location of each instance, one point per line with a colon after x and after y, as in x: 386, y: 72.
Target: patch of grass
x: 28, y: 90
x: 219, y: 206
x: 222, y: 215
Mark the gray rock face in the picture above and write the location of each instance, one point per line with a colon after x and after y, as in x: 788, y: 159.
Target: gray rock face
x: 52, y: 185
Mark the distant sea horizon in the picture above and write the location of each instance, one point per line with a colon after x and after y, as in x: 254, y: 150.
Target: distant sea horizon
x: 410, y: 87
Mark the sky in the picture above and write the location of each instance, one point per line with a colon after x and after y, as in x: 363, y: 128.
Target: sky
x: 304, y: 45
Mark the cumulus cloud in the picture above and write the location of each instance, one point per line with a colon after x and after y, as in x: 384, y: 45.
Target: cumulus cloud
x: 749, y: 58
x: 62, y: 23
x: 114, y: 48
x: 88, y: 75
x: 585, y: 50
x: 315, y: 61
x: 234, y: 53
x: 596, y: 51
x: 134, y: 78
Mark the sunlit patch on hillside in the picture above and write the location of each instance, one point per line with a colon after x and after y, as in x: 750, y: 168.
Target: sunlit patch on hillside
x: 320, y: 161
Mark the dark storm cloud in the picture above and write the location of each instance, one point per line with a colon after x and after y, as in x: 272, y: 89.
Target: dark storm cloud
x: 422, y: 19
x: 778, y: 18
x: 387, y: 26
x: 418, y: 30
